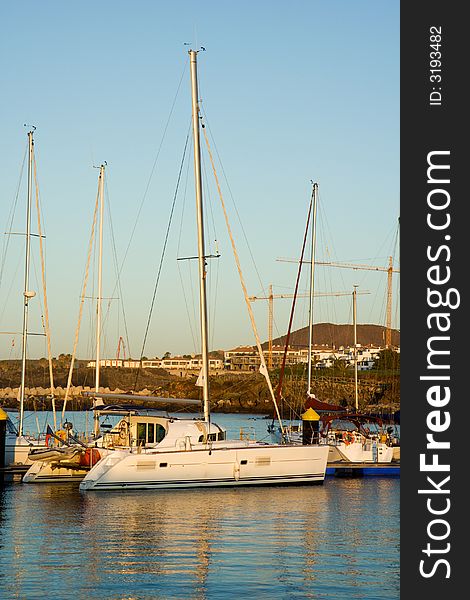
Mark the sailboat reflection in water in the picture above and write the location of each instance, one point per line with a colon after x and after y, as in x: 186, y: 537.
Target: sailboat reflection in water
x: 195, y: 452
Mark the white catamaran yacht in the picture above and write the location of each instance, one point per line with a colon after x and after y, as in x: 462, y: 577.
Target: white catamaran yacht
x: 195, y: 452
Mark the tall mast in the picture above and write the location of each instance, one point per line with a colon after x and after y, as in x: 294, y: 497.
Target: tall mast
x: 200, y: 235
x: 99, y: 294
x: 26, y: 293
x: 312, y: 281
x: 355, y: 346
x: 100, y: 272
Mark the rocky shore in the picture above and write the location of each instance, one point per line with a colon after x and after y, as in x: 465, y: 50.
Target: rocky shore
x: 241, y: 392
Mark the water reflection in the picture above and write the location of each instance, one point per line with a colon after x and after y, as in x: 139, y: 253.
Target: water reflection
x: 333, y: 541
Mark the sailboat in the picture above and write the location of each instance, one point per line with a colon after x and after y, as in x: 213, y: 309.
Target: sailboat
x: 349, y: 437
x: 356, y: 437
x: 17, y: 445
x: 66, y: 458
x: 293, y: 431
x: 196, y: 452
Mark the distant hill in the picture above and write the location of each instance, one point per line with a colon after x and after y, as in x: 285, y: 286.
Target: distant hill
x: 335, y: 335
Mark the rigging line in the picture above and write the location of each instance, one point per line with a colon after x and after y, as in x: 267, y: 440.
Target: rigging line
x: 235, y: 206
x: 11, y: 216
x: 216, y: 291
x: 184, y: 199
x: 118, y: 283
x: 213, y: 288
x: 263, y: 368
x: 46, y: 308
x: 187, y: 308
x: 82, y: 301
x: 161, y: 260
x: 283, y: 366
x: 153, y: 168
x: 10, y: 288
x: 209, y: 204
x: 190, y: 320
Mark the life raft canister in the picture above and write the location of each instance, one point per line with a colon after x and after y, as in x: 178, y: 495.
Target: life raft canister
x: 90, y: 457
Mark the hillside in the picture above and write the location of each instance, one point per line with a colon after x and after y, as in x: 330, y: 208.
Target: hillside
x: 335, y: 335
x: 229, y: 392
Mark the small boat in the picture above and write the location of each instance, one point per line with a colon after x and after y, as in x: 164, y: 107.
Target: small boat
x: 357, y: 438
x: 18, y: 447
x: 53, y: 454
x: 195, y: 452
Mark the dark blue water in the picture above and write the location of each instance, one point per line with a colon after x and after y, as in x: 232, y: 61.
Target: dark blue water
x: 337, y: 540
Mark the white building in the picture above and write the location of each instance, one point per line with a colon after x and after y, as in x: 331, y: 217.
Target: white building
x: 115, y: 362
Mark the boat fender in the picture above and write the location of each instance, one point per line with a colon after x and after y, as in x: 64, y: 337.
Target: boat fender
x: 90, y: 457
x: 236, y: 471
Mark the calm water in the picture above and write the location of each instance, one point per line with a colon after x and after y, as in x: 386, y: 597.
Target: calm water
x: 338, y: 540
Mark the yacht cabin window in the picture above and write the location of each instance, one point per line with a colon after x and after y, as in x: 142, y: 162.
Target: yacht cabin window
x: 213, y: 437
x: 149, y: 433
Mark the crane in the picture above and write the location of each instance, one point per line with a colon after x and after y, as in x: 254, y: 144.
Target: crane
x: 270, y: 297
x: 390, y: 270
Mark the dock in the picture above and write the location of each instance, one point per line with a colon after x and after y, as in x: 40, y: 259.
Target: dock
x: 363, y: 469
x: 15, y: 469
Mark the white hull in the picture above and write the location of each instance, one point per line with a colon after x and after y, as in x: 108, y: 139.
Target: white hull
x: 45, y: 472
x: 58, y: 468
x: 361, y: 450
x: 17, y: 450
x: 370, y: 451
x: 234, y: 464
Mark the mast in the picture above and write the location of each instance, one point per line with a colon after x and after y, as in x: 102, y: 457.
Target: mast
x: 355, y: 345
x: 312, y: 271
x: 99, y: 294
x: 200, y: 236
x: 27, y: 295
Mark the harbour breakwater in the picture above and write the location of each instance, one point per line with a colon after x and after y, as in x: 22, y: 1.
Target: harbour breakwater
x: 230, y: 392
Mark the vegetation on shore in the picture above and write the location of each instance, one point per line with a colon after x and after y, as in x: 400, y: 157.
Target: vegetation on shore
x: 378, y: 390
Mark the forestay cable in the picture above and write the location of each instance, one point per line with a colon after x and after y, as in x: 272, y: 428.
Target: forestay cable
x: 263, y: 369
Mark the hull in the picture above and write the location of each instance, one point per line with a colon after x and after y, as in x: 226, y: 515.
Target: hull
x: 45, y: 472
x: 57, y: 468
x: 374, y: 452
x: 216, y: 467
x: 359, y: 451
x: 17, y: 450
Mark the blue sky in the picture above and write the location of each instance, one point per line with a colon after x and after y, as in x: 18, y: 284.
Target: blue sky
x: 292, y: 92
